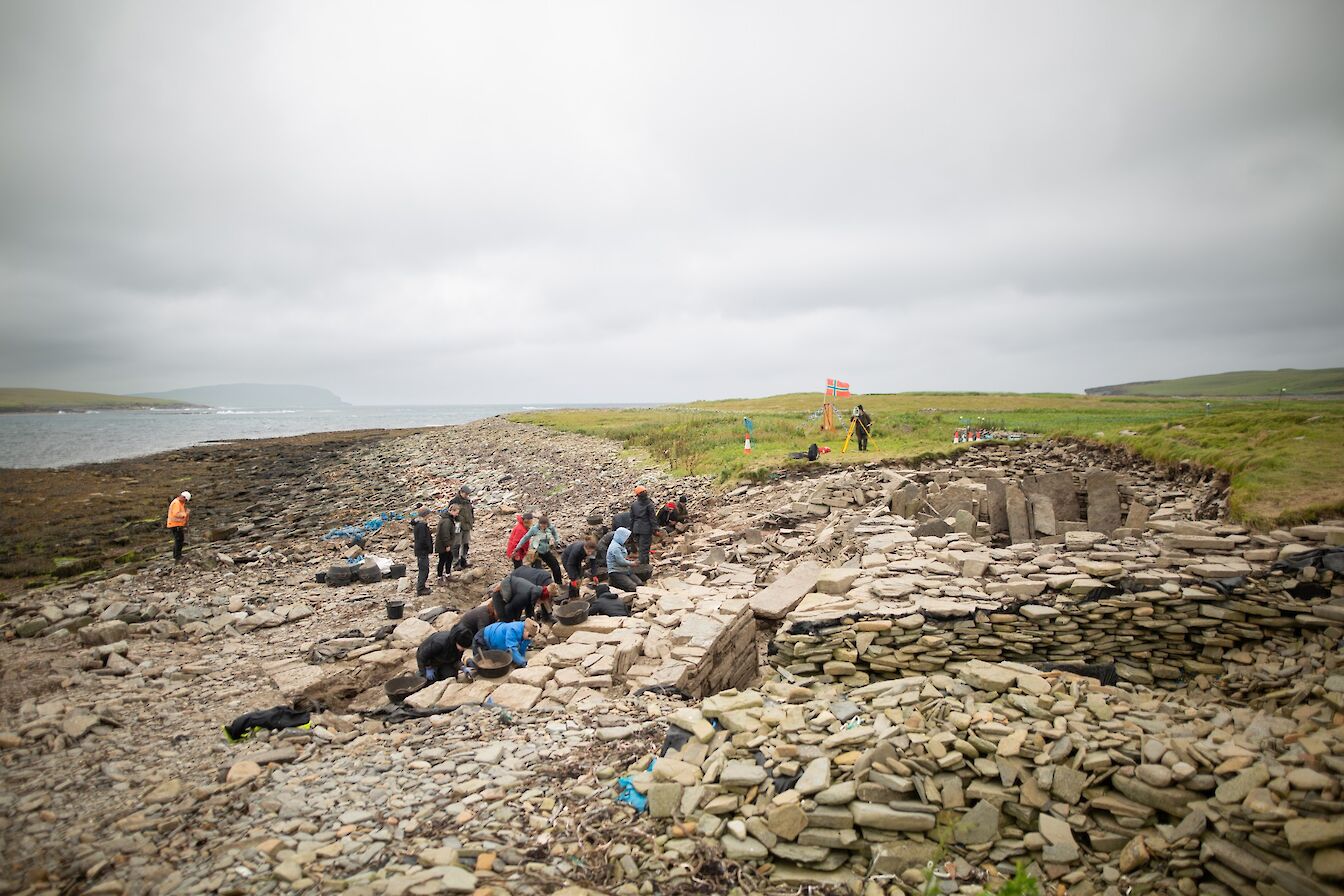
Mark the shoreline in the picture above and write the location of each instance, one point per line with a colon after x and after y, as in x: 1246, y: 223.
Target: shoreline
x: 121, y: 503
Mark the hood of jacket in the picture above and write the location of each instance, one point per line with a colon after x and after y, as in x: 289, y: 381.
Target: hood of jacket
x: 621, y: 535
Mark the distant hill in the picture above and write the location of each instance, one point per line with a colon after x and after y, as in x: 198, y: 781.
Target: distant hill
x: 19, y: 400
x: 254, y: 395
x: 1324, y: 383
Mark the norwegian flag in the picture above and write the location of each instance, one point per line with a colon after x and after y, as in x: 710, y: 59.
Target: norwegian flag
x: 837, y: 389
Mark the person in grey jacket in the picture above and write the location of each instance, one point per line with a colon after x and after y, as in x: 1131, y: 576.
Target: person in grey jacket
x: 466, y: 519
x: 643, y: 522
x: 446, y: 535
x: 619, y: 573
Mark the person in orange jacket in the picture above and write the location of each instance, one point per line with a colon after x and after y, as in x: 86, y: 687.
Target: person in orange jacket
x: 178, y: 516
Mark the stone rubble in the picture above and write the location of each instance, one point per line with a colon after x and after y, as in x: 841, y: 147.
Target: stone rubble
x: 897, y: 715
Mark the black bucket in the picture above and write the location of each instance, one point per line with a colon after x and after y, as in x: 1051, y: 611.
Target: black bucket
x: 394, y: 608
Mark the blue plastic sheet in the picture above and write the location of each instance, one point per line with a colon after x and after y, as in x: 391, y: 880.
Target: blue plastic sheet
x: 344, y: 533
x: 626, y: 793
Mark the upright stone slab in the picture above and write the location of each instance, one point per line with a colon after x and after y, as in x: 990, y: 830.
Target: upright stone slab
x: 1060, y: 489
x: 951, y: 499
x: 782, y: 595
x: 1042, y: 513
x: 1138, y: 515
x: 998, y: 506
x: 1019, y: 527
x: 1103, y: 501
x: 965, y: 523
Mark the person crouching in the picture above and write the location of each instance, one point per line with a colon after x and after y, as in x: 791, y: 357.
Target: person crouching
x: 514, y: 637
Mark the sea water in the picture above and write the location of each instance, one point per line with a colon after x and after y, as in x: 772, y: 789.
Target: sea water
x: 78, y: 437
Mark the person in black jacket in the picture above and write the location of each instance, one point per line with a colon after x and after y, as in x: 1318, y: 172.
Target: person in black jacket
x: 643, y: 520
x: 621, y: 520
x: 672, y: 515
x: 863, y: 424
x: 440, y: 655
x: 514, y: 598
x: 423, y: 540
x: 580, y: 560
x: 606, y: 603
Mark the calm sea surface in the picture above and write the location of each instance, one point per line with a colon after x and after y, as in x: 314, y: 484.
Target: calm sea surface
x: 59, y: 440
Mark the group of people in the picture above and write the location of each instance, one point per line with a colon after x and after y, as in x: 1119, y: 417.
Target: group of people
x: 508, y: 619
x: 453, y: 538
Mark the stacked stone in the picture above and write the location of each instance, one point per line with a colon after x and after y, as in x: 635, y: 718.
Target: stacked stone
x: 1152, y: 637
x: 1096, y: 788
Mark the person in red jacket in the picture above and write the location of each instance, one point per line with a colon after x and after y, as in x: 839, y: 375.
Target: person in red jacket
x: 517, y: 547
x: 178, y: 517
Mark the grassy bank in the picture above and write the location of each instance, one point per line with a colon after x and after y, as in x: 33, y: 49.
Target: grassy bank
x: 20, y: 400
x: 1286, y: 463
x: 1323, y: 383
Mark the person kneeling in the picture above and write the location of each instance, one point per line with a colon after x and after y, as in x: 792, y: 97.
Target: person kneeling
x: 610, y: 603
x: 515, y: 637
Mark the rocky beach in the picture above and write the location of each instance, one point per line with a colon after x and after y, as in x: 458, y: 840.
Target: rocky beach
x: 866, y: 679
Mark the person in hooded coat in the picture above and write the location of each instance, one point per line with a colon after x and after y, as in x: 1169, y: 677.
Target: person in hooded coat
x: 619, y: 573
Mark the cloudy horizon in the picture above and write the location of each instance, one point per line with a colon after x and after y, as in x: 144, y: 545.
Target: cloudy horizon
x: 605, y: 202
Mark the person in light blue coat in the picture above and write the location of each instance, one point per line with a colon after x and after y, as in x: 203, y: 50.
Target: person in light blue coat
x: 542, y: 539
x: 619, y: 573
x: 515, y: 637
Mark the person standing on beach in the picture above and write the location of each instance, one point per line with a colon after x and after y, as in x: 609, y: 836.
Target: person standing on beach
x: 423, y: 540
x: 446, y: 534
x: 466, y: 519
x: 643, y: 520
x: 178, y: 516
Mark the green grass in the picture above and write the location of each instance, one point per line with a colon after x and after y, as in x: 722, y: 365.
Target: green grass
x: 16, y: 400
x: 1286, y: 463
x: 1325, y: 383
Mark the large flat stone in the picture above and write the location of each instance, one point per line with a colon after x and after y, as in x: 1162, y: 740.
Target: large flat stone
x: 512, y: 695
x: 782, y: 595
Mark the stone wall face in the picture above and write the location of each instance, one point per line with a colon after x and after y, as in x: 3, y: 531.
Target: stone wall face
x: 1152, y: 636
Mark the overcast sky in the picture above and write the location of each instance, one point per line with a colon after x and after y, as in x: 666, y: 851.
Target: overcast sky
x: 476, y: 202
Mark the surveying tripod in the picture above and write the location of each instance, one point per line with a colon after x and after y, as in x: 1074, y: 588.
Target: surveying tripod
x: 854, y: 422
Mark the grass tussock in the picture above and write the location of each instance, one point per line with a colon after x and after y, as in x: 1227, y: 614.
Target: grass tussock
x: 1286, y: 462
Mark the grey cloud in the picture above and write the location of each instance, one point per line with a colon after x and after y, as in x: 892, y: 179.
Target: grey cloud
x: 529, y: 202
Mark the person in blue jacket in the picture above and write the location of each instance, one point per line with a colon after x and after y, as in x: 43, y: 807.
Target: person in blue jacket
x: 619, y: 573
x: 515, y: 637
